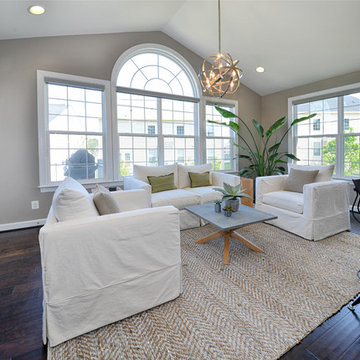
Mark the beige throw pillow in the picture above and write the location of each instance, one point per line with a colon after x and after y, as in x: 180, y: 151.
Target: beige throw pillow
x: 104, y: 201
x: 325, y: 171
x: 298, y: 178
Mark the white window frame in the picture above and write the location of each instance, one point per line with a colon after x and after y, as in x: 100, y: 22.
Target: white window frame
x: 207, y: 100
x: 340, y: 135
x: 43, y: 129
x: 197, y: 99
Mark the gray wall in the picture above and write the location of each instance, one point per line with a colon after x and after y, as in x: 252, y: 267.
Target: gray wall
x: 274, y: 106
x: 85, y: 55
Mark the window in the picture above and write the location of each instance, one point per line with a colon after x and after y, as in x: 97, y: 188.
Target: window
x: 316, y: 124
x: 316, y: 148
x: 334, y: 138
x: 157, y: 111
x: 219, y: 140
x: 72, y: 124
x: 151, y: 129
x: 154, y: 96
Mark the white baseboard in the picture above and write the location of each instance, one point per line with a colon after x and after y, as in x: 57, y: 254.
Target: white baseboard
x: 22, y: 224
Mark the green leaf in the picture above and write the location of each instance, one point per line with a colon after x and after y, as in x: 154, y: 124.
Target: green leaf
x: 225, y: 113
x: 244, y: 157
x: 258, y: 128
x: 228, y: 188
x: 281, y: 168
x: 276, y: 125
x: 281, y: 161
x: 220, y: 190
x: 234, y: 126
x: 274, y: 147
x: 292, y: 156
x: 302, y: 119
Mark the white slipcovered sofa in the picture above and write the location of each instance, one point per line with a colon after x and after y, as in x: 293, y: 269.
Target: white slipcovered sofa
x: 100, y: 269
x: 321, y: 210
x: 184, y: 195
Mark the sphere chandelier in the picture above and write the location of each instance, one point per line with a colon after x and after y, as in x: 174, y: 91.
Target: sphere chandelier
x: 219, y: 73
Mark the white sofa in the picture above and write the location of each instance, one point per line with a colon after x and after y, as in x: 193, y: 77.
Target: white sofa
x: 320, y: 211
x: 184, y: 195
x: 100, y: 269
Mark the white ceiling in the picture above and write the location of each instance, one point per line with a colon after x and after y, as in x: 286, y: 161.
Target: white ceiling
x: 298, y: 42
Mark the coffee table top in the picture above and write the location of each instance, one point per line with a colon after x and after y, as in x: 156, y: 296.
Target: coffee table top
x: 245, y: 216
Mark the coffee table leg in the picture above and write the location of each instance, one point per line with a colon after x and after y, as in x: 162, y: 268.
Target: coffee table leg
x: 226, y: 247
x: 209, y: 237
x: 247, y: 243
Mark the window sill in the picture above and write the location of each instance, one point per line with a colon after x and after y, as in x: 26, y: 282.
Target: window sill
x: 89, y: 185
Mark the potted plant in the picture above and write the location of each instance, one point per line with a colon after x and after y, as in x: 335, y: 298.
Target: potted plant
x: 231, y: 195
x: 227, y: 210
x: 265, y: 158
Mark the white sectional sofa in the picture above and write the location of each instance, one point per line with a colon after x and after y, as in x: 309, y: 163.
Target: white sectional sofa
x: 184, y: 195
x: 321, y: 210
x: 100, y: 269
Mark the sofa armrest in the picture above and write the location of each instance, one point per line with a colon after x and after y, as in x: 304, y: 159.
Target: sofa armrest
x: 218, y: 178
x: 328, y: 198
x: 131, y: 183
x: 132, y: 199
x: 266, y: 184
x: 81, y: 256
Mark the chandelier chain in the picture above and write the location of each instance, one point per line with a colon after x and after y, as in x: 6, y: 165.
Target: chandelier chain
x: 219, y: 25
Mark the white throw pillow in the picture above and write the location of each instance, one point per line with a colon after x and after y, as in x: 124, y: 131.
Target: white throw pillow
x: 183, y: 173
x: 142, y: 172
x: 325, y: 171
x: 72, y: 201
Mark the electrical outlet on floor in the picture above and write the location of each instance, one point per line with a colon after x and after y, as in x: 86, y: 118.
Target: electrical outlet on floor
x: 35, y: 204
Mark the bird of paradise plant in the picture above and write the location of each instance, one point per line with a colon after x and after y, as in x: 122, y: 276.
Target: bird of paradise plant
x: 265, y: 158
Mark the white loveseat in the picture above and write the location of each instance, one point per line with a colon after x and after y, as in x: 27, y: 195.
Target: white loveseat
x: 320, y: 211
x: 184, y: 195
x: 100, y: 269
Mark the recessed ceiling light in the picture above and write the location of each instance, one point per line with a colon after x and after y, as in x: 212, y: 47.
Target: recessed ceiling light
x: 260, y: 69
x: 36, y: 10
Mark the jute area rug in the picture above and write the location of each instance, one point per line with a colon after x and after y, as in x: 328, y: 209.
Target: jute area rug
x: 258, y: 307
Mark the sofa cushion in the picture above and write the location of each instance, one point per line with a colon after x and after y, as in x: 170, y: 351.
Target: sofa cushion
x: 206, y: 193
x: 325, y: 171
x: 142, y: 172
x: 199, y: 179
x: 178, y: 198
x: 72, y: 201
x: 298, y: 178
x: 287, y: 200
x: 105, y: 201
x: 161, y: 183
x: 183, y: 173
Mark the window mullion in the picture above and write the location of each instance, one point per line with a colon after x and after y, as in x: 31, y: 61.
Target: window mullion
x: 340, y: 150
x: 161, y: 155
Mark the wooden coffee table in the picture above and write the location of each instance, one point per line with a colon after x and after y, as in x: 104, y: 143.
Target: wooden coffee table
x: 227, y: 225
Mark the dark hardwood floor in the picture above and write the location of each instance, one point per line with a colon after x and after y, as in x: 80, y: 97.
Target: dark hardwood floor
x: 21, y: 309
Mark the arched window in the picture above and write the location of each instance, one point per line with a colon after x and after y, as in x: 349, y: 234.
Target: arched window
x: 157, y: 103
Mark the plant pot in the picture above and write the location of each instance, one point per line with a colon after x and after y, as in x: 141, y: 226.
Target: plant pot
x: 233, y: 203
x: 218, y: 207
x: 227, y: 213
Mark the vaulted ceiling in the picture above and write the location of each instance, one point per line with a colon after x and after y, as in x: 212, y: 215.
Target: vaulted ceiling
x: 297, y: 42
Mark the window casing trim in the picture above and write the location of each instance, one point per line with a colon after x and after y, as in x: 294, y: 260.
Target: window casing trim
x: 45, y: 77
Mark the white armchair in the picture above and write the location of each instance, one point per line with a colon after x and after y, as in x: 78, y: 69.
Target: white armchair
x: 320, y: 211
x: 101, y: 269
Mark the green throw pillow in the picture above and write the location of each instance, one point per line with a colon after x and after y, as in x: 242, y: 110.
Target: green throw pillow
x: 162, y: 183
x: 199, y: 179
